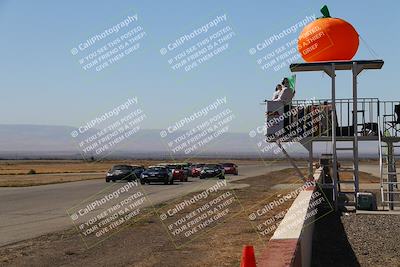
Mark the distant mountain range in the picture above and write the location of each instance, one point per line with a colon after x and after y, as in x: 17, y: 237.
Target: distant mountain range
x: 43, y: 141
x: 28, y: 141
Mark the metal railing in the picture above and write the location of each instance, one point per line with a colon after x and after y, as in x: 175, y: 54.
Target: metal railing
x: 390, y: 118
x: 306, y: 112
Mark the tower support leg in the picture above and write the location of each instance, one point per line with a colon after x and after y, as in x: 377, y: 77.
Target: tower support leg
x: 307, y: 144
x: 291, y: 161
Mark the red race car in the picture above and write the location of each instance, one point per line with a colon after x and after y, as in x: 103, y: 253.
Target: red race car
x: 196, y: 169
x: 178, y: 173
x: 230, y: 168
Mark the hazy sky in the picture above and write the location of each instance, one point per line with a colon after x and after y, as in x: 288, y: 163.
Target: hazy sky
x: 43, y: 83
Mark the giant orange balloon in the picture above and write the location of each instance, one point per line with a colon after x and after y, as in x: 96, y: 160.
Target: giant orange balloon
x: 328, y: 39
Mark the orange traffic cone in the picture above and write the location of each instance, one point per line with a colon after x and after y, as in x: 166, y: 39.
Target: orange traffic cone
x: 248, y: 258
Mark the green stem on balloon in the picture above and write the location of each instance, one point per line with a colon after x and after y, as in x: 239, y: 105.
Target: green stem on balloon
x: 325, y: 11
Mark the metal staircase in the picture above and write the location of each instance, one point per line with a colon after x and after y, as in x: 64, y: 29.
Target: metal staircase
x: 389, y: 153
x: 348, y: 187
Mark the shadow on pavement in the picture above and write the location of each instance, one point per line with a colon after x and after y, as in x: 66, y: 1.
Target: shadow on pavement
x: 330, y: 244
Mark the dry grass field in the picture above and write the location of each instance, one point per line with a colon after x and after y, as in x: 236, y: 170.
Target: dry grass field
x: 16, y: 172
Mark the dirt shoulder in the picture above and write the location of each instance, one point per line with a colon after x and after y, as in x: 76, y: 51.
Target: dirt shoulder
x: 148, y: 242
x: 43, y: 179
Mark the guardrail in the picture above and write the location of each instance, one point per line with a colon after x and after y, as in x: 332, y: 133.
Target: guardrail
x: 292, y: 246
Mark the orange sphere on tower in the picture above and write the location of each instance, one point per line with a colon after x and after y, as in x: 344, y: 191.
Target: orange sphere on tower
x: 328, y: 39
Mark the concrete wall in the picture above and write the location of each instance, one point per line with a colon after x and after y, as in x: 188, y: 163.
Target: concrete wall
x: 291, y: 244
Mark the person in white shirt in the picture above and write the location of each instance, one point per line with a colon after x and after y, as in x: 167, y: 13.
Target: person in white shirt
x: 286, y: 94
x: 277, y: 92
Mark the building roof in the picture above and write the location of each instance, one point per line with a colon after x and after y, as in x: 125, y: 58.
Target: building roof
x: 339, y: 65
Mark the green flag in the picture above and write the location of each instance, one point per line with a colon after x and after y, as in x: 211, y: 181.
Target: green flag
x: 292, y: 83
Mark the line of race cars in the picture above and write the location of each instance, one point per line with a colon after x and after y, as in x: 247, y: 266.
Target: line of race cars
x: 169, y: 172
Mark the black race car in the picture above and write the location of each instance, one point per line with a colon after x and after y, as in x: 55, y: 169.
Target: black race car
x: 212, y: 170
x: 156, y: 174
x: 124, y: 172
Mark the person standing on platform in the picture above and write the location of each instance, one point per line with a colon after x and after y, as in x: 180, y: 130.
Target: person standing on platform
x: 286, y: 94
x: 277, y: 92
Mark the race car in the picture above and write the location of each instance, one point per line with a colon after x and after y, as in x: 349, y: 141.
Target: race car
x: 156, y: 174
x: 212, y: 170
x: 124, y: 172
x: 196, y: 169
x: 178, y: 173
x: 230, y: 168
